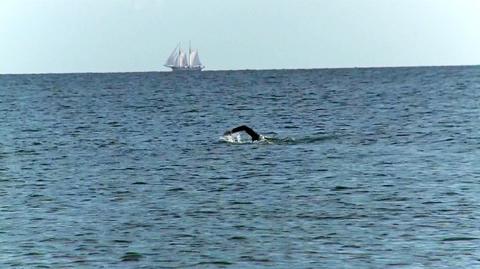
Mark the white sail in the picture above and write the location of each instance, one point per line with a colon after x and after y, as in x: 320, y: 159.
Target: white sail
x: 190, y: 59
x: 195, y: 59
x: 172, y: 59
x: 182, y: 59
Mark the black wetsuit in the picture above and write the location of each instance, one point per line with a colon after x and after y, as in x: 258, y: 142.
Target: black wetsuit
x: 247, y: 129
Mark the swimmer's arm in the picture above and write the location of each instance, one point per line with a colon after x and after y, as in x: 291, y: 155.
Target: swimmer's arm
x: 245, y: 128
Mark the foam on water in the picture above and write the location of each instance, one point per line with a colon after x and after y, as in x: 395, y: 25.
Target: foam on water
x: 234, y: 139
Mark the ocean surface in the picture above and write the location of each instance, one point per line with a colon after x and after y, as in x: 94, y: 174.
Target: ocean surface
x: 364, y: 168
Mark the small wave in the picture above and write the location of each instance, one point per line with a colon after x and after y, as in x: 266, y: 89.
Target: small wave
x: 238, y: 139
x: 301, y: 140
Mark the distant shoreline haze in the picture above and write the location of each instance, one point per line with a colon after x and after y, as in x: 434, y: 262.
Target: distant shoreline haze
x: 239, y: 70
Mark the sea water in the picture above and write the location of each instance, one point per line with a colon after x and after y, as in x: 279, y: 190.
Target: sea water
x: 366, y: 168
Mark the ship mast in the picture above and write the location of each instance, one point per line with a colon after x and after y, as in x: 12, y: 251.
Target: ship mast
x: 189, y: 53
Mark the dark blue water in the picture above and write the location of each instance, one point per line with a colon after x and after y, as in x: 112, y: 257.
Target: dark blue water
x: 368, y: 168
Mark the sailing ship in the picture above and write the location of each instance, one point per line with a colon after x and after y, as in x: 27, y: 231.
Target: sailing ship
x: 181, y: 61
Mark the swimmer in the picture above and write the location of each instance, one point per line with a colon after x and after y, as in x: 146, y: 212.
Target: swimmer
x: 254, y: 135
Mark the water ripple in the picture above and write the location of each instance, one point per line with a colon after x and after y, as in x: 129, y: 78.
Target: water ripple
x: 365, y: 168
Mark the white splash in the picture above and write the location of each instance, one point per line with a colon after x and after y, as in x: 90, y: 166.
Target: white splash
x: 232, y: 138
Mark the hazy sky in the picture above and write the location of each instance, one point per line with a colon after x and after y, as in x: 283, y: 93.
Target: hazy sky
x: 43, y: 36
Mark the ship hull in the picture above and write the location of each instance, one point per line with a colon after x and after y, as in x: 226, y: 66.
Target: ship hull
x: 183, y: 69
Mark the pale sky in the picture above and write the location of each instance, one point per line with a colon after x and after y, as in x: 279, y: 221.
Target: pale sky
x: 57, y: 36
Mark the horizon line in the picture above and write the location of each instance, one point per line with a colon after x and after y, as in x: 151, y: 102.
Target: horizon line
x: 245, y: 69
